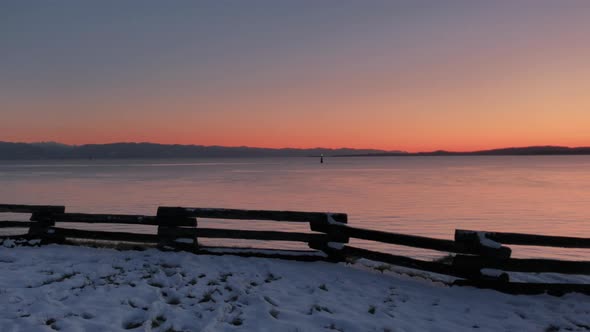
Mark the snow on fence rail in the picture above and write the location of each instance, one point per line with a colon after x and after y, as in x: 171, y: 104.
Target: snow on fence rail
x: 474, y: 251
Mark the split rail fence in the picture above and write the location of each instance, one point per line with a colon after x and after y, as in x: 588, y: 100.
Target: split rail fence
x: 478, y: 259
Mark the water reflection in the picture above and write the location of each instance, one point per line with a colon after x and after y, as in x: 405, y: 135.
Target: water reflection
x: 430, y: 196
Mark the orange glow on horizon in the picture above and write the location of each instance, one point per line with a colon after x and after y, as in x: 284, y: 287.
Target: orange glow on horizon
x: 503, y: 77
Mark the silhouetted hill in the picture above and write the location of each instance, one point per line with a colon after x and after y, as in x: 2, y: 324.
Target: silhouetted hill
x: 51, y: 150
x: 520, y: 151
x: 536, y: 150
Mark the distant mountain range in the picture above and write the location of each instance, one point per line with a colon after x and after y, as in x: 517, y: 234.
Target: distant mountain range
x: 521, y: 151
x: 52, y: 150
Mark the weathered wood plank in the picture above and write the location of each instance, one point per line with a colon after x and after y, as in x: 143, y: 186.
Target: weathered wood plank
x: 478, y: 243
x: 174, y: 232
x: 399, y: 239
x: 172, y: 212
x: 177, y: 238
x: 259, y: 235
x: 15, y: 224
x: 105, y: 218
x: 435, y: 267
x: 119, y: 219
x: 14, y: 208
x: 43, y: 221
x: 293, y: 216
x: 526, y: 288
x: 522, y: 265
x: 306, y: 256
x: 108, y: 236
x: 537, y: 240
x: 176, y: 221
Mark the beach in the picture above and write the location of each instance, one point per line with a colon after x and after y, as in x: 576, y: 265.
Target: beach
x: 71, y: 288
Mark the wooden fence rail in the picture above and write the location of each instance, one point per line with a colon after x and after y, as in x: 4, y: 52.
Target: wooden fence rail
x: 177, y: 228
x: 31, y: 208
x: 105, y: 218
x: 532, y: 240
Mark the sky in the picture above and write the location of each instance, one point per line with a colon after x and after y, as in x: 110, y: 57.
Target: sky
x: 396, y: 75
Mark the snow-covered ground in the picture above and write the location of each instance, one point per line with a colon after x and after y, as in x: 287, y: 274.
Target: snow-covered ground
x: 71, y: 288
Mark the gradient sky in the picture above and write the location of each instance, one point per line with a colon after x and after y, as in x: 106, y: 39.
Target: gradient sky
x: 409, y: 75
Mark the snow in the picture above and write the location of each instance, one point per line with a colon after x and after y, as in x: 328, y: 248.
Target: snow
x: 228, y: 250
x: 484, y: 241
x: 332, y: 221
x: 492, y: 272
x: 336, y: 245
x: 96, y: 289
x: 184, y: 240
x: 8, y: 243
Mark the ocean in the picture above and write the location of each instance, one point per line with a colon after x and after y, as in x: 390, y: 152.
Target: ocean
x: 429, y: 196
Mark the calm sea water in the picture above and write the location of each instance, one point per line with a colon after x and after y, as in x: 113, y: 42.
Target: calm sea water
x: 429, y: 196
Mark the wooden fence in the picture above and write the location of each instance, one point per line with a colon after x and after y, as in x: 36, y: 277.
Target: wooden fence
x: 478, y: 258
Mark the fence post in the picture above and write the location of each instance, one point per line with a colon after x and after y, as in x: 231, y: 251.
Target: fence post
x: 334, y: 240
x: 475, y: 268
x: 176, y: 229
x: 42, y: 227
x: 479, y: 244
